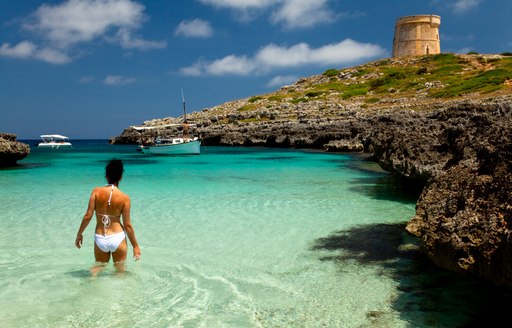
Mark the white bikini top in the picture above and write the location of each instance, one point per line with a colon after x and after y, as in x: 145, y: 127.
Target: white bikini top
x: 105, y: 219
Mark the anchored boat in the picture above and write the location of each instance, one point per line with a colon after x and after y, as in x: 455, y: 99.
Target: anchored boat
x: 179, y: 145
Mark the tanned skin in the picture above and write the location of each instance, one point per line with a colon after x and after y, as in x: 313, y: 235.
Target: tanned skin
x: 119, y: 212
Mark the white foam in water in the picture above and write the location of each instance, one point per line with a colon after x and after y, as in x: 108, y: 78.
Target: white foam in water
x: 228, y: 240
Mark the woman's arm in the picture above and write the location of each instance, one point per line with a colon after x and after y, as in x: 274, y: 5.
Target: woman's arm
x: 129, y: 229
x: 85, y: 221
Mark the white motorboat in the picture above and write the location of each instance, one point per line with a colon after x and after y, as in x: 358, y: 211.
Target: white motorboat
x: 54, y: 141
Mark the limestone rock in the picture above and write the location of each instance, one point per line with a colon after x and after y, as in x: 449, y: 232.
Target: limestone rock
x: 11, y: 150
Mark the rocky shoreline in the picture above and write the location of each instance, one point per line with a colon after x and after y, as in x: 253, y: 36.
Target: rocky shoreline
x: 11, y: 150
x: 462, y: 150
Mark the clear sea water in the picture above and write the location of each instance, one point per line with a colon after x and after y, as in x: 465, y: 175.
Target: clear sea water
x: 234, y: 237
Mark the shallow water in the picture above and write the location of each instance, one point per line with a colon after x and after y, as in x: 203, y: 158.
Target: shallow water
x: 234, y: 237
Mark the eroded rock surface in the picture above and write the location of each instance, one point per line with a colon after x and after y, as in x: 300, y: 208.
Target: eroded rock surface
x: 11, y: 150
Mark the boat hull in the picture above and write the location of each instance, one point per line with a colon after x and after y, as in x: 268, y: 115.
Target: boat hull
x: 186, y: 148
x: 54, y: 145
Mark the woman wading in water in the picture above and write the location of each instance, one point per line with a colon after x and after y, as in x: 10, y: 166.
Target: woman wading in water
x: 110, y: 204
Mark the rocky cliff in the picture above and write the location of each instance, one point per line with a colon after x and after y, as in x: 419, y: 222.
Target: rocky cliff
x: 444, y: 120
x: 11, y: 150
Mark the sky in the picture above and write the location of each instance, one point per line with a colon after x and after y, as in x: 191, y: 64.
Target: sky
x: 88, y: 69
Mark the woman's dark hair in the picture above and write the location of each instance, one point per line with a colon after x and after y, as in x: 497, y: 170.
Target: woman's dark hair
x: 114, y: 170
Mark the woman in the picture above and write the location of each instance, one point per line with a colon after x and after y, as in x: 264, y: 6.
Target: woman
x: 110, y: 204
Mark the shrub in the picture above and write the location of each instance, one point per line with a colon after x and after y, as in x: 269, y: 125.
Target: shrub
x: 313, y: 94
x: 276, y: 98
x: 355, y: 90
x: 254, y: 99
x: 421, y: 71
x: 331, y: 72
x: 442, y: 59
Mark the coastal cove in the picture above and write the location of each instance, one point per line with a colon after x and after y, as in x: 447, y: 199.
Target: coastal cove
x: 235, y: 237
x: 444, y: 120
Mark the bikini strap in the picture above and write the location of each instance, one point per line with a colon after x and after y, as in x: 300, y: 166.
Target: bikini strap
x: 106, y: 223
x: 106, y: 218
x: 111, y: 191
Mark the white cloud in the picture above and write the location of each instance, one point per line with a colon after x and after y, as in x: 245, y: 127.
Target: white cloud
x: 23, y: 49
x: 240, y: 4
x: 118, y: 80
x: 72, y: 22
x: 28, y: 50
x: 194, y: 28
x: 128, y: 41
x: 273, y: 57
x: 52, y: 56
x: 280, y: 80
x: 229, y: 65
x: 302, y: 13
x: 462, y: 6
x: 290, y: 13
x: 76, y: 21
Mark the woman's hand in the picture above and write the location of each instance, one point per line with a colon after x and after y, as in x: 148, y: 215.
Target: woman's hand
x: 136, y: 253
x: 78, y: 240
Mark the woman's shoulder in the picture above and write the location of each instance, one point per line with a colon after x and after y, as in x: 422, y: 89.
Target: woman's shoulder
x: 125, y: 196
x: 96, y: 190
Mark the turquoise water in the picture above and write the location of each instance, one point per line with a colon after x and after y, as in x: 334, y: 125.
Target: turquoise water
x: 234, y: 237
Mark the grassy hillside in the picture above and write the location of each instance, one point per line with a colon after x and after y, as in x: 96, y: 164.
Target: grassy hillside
x: 436, y: 76
x: 416, y: 83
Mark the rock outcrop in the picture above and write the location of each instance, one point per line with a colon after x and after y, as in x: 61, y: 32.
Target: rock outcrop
x: 464, y: 215
x: 11, y: 150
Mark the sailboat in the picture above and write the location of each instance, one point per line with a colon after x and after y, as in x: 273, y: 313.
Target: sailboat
x: 184, y: 145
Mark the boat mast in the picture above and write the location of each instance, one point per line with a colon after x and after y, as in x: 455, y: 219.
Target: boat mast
x: 184, y: 107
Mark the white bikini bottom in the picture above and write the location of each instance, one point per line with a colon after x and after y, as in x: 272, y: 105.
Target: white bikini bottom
x: 109, y: 243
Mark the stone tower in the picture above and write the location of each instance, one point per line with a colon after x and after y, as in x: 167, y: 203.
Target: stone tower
x: 417, y: 35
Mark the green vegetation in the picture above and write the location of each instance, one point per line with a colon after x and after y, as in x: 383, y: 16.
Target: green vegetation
x: 436, y: 76
x: 298, y: 100
x: 354, y: 90
x: 277, y: 97
x: 331, y: 72
x: 314, y: 94
x: 254, y: 99
x: 484, y: 82
x: 246, y: 108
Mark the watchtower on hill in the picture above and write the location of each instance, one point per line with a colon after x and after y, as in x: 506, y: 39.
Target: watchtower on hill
x: 416, y: 36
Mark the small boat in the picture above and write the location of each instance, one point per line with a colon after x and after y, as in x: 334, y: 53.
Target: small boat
x: 183, y: 145
x: 172, y: 146
x: 54, y: 141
